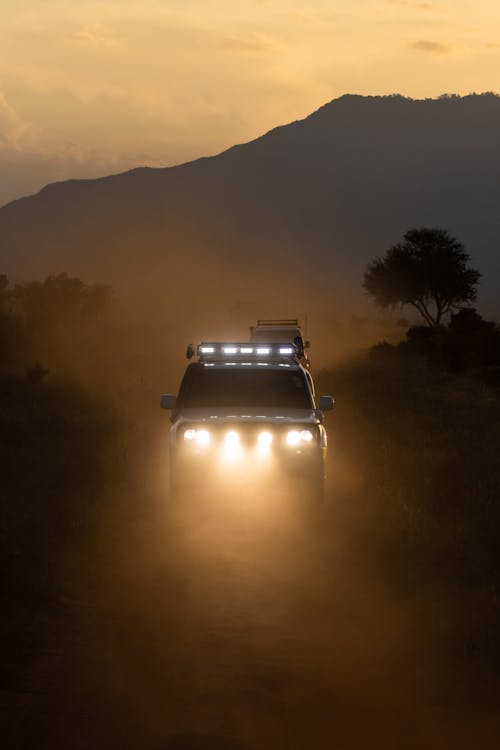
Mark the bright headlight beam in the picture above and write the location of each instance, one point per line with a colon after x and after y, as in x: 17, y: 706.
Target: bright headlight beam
x: 203, y: 437
x: 264, y: 440
x: 295, y: 437
x: 263, y: 350
x: 286, y: 350
x: 231, y: 439
x: 207, y: 349
x: 230, y: 350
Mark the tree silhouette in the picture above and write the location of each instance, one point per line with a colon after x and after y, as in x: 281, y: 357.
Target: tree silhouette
x: 428, y: 270
x: 60, y: 299
x: 4, y: 292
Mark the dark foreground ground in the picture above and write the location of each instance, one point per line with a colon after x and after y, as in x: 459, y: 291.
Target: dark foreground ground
x: 239, y: 622
x: 236, y: 627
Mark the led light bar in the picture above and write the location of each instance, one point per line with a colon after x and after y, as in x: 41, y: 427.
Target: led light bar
x: 221, y: 350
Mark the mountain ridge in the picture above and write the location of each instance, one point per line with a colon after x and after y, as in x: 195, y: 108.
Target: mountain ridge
x: 312, y: 200
x: 324, y: 108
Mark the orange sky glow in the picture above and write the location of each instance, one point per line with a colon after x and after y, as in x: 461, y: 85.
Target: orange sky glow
x: 88, y: 87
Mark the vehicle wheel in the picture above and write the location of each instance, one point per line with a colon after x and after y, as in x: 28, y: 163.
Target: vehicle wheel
x: 175, y: 484
x: 182, y: 486
x: 316, y: 497
x: 311, y: 494
x: 318, y: 493
x: 174, y: 489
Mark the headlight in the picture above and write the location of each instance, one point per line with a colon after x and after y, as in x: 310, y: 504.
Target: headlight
x: 232, y: 449
x: 231, y: 439
x: 201, y: 437
x: 264, y: 440
x: 298, y: 437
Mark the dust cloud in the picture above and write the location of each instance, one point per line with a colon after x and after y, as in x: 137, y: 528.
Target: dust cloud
x: 235, y: 620
x: 238, y: 624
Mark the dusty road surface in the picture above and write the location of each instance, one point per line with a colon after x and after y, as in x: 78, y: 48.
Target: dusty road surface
x: 239, y: 622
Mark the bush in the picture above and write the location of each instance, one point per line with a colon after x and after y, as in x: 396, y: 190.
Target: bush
x: 468, y: 342
x: 425, y: 445
x: 58, y: 448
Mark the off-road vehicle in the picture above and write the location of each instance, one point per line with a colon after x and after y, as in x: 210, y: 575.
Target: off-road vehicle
x: 246, y: 411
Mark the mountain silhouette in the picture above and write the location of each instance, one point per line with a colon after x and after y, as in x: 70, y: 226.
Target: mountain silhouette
x: 300, y: 210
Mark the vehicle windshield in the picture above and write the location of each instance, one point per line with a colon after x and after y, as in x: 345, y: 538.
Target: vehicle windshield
x: 216, y: 387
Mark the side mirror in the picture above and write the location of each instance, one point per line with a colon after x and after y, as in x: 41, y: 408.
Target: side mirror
x: 307, y: 344
x: 168, y: 401
x: 325, y: 403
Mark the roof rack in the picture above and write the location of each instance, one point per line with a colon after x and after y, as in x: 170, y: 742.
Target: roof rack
x: 282, y: 322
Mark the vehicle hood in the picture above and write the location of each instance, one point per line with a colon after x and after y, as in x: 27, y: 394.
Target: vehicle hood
x: 256, y: 415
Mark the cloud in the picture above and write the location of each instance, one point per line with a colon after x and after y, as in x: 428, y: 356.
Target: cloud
x: 14, y: 131
x: 412, y: 4
x: 96, y: 33
x: 245, y: 44
x: 434, y: 48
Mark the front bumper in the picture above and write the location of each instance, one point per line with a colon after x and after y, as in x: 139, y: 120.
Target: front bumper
x: 243, y: 459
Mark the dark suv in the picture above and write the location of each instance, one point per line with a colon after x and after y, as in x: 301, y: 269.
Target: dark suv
x: 244, y: 411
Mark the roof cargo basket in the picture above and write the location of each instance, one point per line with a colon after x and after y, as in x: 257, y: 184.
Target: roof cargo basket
x: 281, y: 322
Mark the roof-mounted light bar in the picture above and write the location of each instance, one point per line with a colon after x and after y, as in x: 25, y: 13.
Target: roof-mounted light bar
x: 221, y: 350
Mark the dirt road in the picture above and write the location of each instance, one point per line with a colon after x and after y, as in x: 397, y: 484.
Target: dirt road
x: 243, y: 624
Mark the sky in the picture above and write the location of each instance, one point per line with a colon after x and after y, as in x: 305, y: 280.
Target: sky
x: 88, y: 88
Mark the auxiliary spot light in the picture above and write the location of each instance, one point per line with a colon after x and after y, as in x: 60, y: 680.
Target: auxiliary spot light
x: 232, y: 439
x: 202, y: 437
x: 296, y: 437
x: 264, y: 440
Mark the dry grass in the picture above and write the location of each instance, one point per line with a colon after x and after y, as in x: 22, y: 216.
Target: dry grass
x: 424, y: 447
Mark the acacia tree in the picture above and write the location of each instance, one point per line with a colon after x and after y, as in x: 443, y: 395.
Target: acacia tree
x: 428, y: 270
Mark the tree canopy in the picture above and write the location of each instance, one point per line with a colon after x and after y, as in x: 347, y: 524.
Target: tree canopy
x: 428, y: 270
x: 58, y: 318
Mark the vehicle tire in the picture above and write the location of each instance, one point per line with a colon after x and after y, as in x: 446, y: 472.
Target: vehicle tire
x: 174, y: 490
x: 174, y: 482
x: 182, y: 485
x: 318, y: 493
x: 311, y: 494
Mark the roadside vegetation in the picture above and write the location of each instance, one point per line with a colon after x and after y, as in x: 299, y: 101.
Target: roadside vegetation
x: 417, y: 423
x: 59, y: 448
x: 422, y: 452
